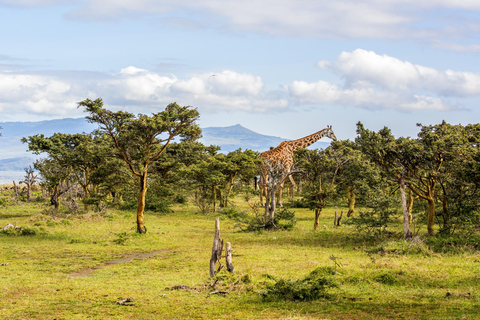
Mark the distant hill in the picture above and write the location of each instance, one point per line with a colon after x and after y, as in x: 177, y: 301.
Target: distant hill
x: 235, y: 137
x: 14, y: 155
x: 13, y: 132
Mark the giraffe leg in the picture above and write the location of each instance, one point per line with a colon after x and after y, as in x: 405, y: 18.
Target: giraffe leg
x: 294, y: 185
x: 280, y: 192
x: 263, y: 188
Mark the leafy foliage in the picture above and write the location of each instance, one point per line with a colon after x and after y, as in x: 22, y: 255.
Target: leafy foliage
x: 313, y: 287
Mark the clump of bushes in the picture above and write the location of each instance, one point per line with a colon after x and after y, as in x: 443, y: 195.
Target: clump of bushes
x: 454, y: 243
x: 284, y: 219
x: 11, y: 230
x: 400, y: 247
x: 313, y: 287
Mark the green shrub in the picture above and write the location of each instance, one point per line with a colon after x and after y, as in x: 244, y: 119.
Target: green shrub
x: 17, y: 231
x: 122, y: 239
x: 454, y: 243
x: 385, y: 278
x: 28, y: 231
x: 3, y: 202
x: 233, y: 212
x: 313, y: 287
x: 284, y: 219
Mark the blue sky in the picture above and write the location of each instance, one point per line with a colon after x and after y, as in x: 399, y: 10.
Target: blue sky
x: 285, y: 68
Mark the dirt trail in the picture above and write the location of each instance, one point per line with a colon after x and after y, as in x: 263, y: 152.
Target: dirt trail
x: 87, y: 272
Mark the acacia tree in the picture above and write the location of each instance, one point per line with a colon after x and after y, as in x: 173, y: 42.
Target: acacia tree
x: 440, y: 146
x: 395, y: 157
x: 80, y: 152
x: 320, y: 169
x: 240, y: 165
x: 356, y: 173
x: 141, y: 140
x: 273, y: 174
x: 57, y: 178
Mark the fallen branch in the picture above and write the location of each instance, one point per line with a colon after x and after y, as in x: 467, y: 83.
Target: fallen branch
x: 218, y: 292
x: 126, y: 302
x: 181, y: 287
x: 457, y: 294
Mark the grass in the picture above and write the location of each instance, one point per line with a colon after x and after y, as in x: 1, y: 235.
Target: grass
x: 376, y: 279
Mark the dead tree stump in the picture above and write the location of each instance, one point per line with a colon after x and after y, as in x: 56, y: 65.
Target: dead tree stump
x: 217, y: 248
x: 336, y: 222
x: 228, y: 257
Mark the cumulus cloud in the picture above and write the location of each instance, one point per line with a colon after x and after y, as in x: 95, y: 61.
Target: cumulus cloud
x: 133, y: 88
x: 378, y: 81
x: 365, y: 80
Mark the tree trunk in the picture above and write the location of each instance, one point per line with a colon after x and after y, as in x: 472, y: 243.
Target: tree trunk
x: 351, y: 196
x: 229, y: 192
x: 446, y: 212
x: 85, y: 199
x: 317, y: 218
x: 406, y: 219
x: 141, y: 203
x: 336, y: 222
x: 228, y: 257
x: 54, y: 199
x: 214, y: 198
x: 270, y: 205
x: 431, y: 217
x: 411, y: 198
x: 216, y: 248
x: 29, y: 186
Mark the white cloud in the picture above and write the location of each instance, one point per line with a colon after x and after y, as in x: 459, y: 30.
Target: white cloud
x: 384, y: 82
x: 133, y: 88
x: 391, y: 19
x: 366, y: 80
x: 393, y: 74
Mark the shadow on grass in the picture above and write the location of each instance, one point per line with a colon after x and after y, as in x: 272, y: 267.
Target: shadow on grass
x: 333, y: 238
x: 18, y: 215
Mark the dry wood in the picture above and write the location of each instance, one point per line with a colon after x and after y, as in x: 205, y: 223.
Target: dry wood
x: 457, y: 294
x: 228, y: 257
x: 217, y: 292
x: 126, y: 302
x: 336, y: 222
x: 181, y: 287
x: 217, y: 248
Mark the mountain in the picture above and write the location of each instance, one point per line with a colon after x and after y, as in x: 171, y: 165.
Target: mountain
x: 13, y: 132
x: 234, y: 137
x: 14, y: 155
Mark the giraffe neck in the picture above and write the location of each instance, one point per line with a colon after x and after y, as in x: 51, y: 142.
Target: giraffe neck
x: 308, y: 140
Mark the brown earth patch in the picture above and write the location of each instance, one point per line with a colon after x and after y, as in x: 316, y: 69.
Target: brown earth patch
x: 87, y: 272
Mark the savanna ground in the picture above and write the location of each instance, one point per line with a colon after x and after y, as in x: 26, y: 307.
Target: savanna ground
x: 80, y: 267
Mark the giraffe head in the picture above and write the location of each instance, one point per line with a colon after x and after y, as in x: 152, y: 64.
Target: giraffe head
x: 329, y: 133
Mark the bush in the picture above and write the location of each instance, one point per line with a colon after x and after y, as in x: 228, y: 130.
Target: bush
x: 18, y: 231
x: 284, y: 219
x: 28, y: 231
x: 374, y: 221
x: 454, y: 243
x: 233, y: 213
x: 3, y: 202
x: 313, y: 287
x: 385, y: 278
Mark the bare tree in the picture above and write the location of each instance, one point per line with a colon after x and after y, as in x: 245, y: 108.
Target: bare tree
x: 30, y: 179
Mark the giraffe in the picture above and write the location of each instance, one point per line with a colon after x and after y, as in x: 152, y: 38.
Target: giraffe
x: 283, y: 154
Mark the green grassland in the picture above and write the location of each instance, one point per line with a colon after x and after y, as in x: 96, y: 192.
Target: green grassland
x: 80, y: 266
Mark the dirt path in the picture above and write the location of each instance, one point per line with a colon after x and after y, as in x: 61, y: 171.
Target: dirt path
x: 87, y: 272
